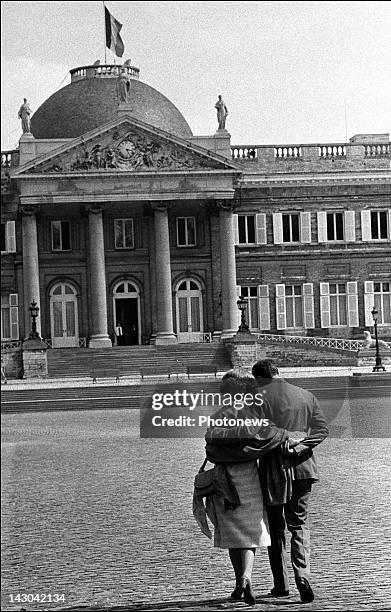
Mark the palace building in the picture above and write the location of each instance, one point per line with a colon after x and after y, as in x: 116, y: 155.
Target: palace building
x: 115, y: 215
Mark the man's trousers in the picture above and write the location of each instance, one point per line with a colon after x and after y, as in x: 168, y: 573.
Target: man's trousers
x: 294, y: 516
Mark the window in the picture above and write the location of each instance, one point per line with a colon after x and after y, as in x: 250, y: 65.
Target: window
x: 61, y: 236
x: 294, y: 305
x: 335, y: 226
x: 123, y: 234
x: 379, y: 230
x: 252, y: 311
x: 246, y: 227
x: 8, y: 242
x: 338, y: 304
x: 382, y: 301
x: 291, y: 228
x: 185, y: 231
x: 9, y: 317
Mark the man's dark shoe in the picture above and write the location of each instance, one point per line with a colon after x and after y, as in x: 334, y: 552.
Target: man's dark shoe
x: 304, y: 588
x: 237, y: 592
x: 279, y: 592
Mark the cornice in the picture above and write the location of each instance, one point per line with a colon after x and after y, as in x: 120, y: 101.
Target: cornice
x: 317, y: 178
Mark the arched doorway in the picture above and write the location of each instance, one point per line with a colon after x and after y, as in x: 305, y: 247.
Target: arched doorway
x: 64, y: 323
x: 127, y: 313
x: 189, y: 318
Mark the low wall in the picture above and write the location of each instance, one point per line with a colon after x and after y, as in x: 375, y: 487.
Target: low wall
x: 13, y: 363
x: 244, y: 353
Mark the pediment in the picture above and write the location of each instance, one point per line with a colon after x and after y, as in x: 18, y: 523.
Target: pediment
x: 125, y: 145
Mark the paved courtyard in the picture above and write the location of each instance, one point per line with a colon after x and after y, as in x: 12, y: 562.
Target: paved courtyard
x: 93, y: 512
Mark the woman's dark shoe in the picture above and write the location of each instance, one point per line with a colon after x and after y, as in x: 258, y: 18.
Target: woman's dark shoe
x: 248, y: 593
x: 237, y: 592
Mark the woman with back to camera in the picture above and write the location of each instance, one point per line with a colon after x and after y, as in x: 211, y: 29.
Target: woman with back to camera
x: 242, y: 527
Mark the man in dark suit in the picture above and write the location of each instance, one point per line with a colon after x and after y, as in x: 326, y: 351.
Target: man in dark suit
x: 294, y: 409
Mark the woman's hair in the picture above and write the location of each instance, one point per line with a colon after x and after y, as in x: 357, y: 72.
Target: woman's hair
x: 233, y: 383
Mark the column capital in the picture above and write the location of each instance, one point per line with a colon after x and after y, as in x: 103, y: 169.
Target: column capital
x: 226, y: 205
x: 161, y: 205
x: 28, y: 210
x: 94, y: 209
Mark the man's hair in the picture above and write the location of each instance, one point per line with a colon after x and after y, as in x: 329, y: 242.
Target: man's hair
x: 264, y: 369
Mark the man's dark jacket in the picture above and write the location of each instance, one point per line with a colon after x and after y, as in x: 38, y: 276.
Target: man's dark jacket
x: 295, y: 409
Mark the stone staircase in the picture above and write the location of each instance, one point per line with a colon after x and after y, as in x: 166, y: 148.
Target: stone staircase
x: 129, y: 360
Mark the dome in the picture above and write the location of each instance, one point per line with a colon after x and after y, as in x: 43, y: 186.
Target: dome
x: 90, y: 100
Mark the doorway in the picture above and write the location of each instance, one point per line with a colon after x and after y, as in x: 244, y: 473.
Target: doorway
x: 64, y: 316
x: 190, y: 324
x: 127, y: 314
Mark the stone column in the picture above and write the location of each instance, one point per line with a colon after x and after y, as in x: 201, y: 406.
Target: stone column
x: 228, y: 270
x: 165, y: 330
x: 30, y: 266
x: 97, y: 272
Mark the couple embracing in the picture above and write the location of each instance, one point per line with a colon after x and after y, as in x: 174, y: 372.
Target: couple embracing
x: 263, y: 477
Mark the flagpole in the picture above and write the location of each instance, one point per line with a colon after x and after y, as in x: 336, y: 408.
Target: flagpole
x: 104, y: 23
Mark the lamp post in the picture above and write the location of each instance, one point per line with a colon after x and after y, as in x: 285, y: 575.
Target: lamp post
x: 378, y: 364
x: 242, y: 305
x: 33, y: 310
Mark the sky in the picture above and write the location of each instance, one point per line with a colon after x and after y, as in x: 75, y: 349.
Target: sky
x: 289, y: 72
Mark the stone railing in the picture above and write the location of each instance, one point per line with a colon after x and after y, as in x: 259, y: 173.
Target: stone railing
x: 338, y: 150
x: 102, y: 71
x: 377, y: 150
x: 331, y: 343
x: 10, y: 345
x: 49, y: 342
x: 309, y: 152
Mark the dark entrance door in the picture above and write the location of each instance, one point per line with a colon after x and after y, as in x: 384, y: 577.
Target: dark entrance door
x: 126, y: 314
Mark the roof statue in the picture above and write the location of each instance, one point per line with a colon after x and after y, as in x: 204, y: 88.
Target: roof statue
x: 124, y: 85
x: 222, y: 112
x: 24, y: 115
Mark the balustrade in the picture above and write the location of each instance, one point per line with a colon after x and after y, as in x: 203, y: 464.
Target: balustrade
x: 332, y: 151
x: 307, y: 152
x: 247, y: 152
x: 293, y: 152
x: 377, y: 150
x: 336, y: 343
x: 102, y: 71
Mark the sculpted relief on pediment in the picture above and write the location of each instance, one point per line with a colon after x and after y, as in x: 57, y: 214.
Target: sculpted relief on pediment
x: 131, y: 152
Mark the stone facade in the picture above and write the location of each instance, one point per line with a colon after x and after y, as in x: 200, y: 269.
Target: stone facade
x: 145, y: 225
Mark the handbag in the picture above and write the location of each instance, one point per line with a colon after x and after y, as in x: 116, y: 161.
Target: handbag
x: 205, y: 481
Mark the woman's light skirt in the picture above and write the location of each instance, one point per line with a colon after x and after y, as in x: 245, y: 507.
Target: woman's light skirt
x: 246, y: 526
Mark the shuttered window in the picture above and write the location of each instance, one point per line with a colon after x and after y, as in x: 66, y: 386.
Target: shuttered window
x: 375, y: 225
x: 250, y: 229
x: 9, y: 317
x: 382, y: 301
x: 8, y: 239
x: 295, y: 306
x: 291, y: 228
x: 258, y: 308
x: 336, y: 226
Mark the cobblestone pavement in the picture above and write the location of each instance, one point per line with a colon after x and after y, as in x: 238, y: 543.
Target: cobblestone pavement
x: 93, y: 511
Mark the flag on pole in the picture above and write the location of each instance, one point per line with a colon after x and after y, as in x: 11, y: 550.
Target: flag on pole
x: 113, y: 39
